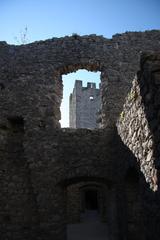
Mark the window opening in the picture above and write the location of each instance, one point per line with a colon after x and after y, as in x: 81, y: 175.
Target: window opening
x: 91, y: 98
x: 82, y: 110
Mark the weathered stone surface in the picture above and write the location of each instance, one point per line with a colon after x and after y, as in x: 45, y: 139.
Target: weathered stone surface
x: 32, y: 73
x: 39, y: 162
x: 138, y: 127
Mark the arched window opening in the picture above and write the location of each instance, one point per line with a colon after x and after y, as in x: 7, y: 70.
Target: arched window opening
x: 81, y: 101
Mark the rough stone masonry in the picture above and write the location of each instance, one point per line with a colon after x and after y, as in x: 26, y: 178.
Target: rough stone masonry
x: 44, y: 168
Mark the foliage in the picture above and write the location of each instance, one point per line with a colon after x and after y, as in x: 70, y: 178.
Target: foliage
x: 23, y: 37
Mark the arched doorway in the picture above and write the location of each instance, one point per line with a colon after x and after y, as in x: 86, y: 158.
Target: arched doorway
x: 86, y: 211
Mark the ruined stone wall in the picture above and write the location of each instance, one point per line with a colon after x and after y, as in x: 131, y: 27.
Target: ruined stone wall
x: 33, y: 187
x: 98, y: 156
x: 38, y: 160
x: 138, y: 127
x: 138, y: 122
x: 32, y: 73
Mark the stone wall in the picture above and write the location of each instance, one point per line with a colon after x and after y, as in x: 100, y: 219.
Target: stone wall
x: 138, y: 127
x: 18, y: 211
x: 34, y: 186
x: 33, y: 72
x: 138, y: 122
x: 76, y: 203
x: 39, y: 160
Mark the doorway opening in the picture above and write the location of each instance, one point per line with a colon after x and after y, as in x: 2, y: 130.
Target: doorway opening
x: 90, y: 205
x: 86, y: 207
x: 91, y: 201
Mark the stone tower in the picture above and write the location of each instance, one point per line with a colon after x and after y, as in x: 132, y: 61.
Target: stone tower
x: 84, y: 104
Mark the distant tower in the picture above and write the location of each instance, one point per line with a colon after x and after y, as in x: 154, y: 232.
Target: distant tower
x: 84, y: 105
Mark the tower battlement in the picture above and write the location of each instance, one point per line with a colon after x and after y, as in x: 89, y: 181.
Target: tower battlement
x: 84, y: 104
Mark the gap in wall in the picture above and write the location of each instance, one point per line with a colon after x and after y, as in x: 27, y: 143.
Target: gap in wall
x: 68, y: 85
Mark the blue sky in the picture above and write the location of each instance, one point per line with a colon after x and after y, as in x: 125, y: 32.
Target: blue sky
x: 56, y: 18
x: 49, y: 18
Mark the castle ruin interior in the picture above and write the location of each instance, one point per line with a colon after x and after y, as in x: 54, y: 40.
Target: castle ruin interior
x: 49, y: 175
